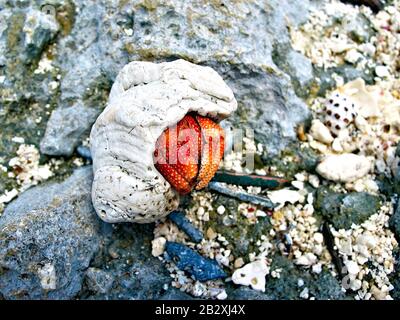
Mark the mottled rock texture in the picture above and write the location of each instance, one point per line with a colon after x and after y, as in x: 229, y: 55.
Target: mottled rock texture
x: 52, y: 224
x: 246, y: 42
x: 58, y: 60
x: 53, y: 246
x: 342, y: 210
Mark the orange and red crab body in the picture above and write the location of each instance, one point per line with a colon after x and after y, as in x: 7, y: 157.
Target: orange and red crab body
x: 188, y: 154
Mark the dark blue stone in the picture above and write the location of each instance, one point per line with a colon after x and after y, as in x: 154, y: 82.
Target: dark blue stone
x: 188, y: 260
x: 186, y: 226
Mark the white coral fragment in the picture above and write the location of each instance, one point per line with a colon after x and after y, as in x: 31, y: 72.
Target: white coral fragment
x: 366, y: 99
x: 320, y: 132
x: 252, y: 274
x: 283, y: 196
x: 145, y: 99
x: 158, y: 246
x: 346, y: 167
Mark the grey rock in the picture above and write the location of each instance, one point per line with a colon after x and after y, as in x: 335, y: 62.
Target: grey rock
x: 394, y: 277
x: 300, y: 68
x: 175, y: 294
x: 323, y: 286
x: 51, y: 227
x: 126, y: 258
x: 297, y: 66
x: 267, y: 104
x: 394, y: 222
x: 342, y: 210
x: 65, y: 129
x: 92, y: 59
x: 40, y: 30
x: 84, y: 152
x: 4, y: 16
x: 98, y: 281
x: 82, y: 77
x: 236, y: 39
x: 94, y: 42
x: 348, y: 72
x: 326, y: 287
x: 245, y: 293
x: 53, y: 246
x: 24, y: 34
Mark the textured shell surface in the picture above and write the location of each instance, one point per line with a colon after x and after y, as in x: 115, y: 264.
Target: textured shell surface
x: 145, y: 99
x: 340, y: 111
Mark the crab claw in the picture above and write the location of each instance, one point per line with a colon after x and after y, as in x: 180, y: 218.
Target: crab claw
x: 188, y: 154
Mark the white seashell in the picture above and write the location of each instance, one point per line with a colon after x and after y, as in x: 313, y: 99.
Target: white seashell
x: 346, y: 167
x: 365, y: 99
x: 145, y: 99
x: 320, y: 132
x: 340, y: 112
x: 283, y: 196
x: 252, y: 274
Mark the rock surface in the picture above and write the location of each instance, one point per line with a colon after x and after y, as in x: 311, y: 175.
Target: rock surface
x: 53, y: 246
x: 65, y: 129
x: 245, y: 293
x: 395, y: 277
x: 394, y: 222
x: 54, y: 228
x: 61, y: 65
x: 323, y: 286
x: 126, y: 262
x: 175, y: 294
x: 98, y: 281
x: 218, y: 34
x: 342, y: 210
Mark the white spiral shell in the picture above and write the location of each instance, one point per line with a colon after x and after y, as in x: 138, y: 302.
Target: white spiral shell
x: 340, y: 111
x: 145, y: 99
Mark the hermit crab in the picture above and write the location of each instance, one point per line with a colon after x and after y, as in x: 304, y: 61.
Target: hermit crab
x: 158, y: 137
x: 188, y: 154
